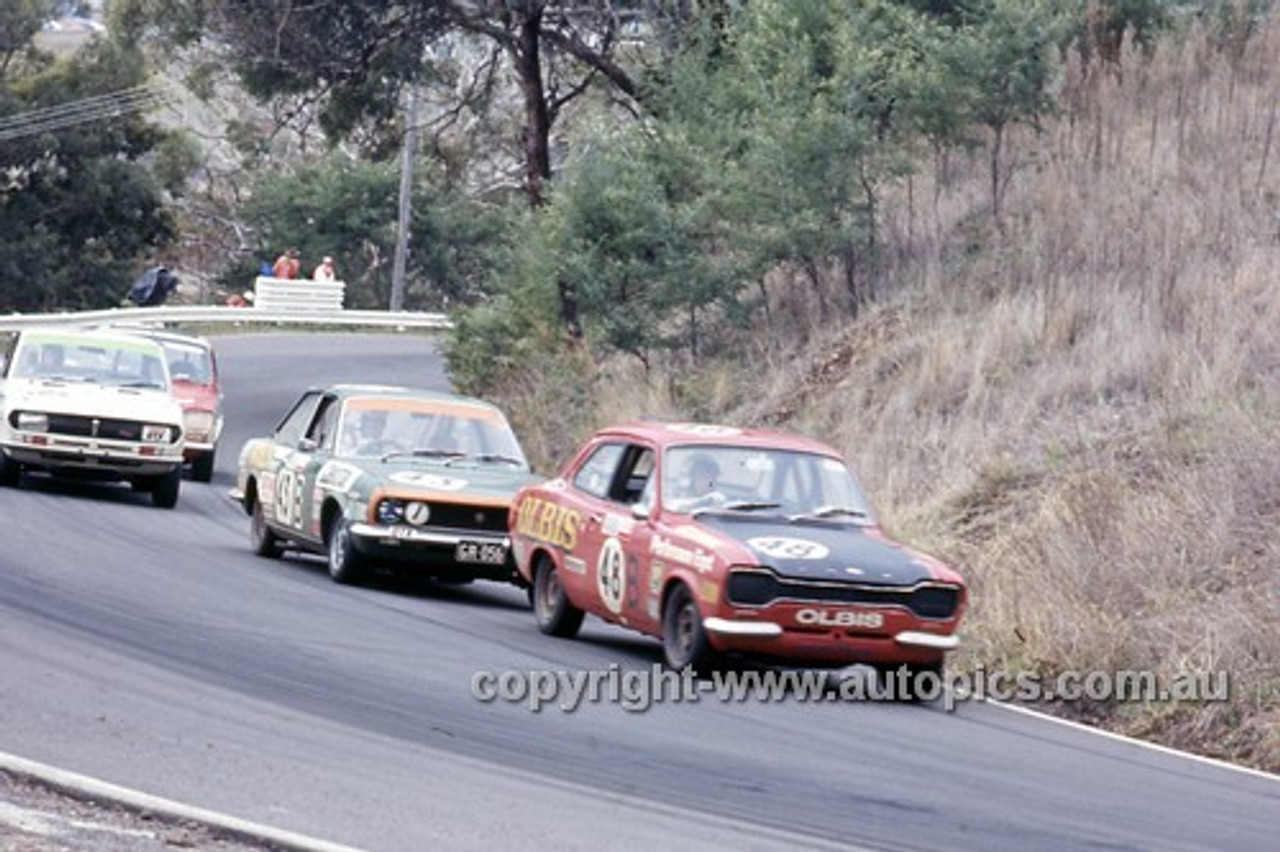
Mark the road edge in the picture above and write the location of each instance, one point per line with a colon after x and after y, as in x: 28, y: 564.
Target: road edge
x: 102, y: 792
x: 1134, y: 741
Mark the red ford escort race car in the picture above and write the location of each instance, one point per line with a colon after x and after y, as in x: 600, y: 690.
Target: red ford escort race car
x: 722, y: 540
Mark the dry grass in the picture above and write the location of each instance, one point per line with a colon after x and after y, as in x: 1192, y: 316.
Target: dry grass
x: 1086, y: 414
x: 1081, y: 405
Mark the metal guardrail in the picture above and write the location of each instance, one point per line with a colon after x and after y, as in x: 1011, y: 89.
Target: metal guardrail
x: 214, y: 314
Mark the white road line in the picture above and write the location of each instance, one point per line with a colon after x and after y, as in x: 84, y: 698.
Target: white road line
x: 1210, y: 761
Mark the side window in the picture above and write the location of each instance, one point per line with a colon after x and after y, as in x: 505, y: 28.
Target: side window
x: 635, y: 473
x: 596, y: 474
x: 324, y: 425
x: 8, y: 342
x: 295, y: 423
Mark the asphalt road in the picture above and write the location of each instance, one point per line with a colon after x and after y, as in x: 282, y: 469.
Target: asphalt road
x: 150, y: 649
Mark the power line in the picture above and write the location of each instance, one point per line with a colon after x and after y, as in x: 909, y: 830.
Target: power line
x: 95, y: 108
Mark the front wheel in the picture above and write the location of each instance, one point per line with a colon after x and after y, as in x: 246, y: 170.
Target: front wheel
x: 262, y: 540
x: 165, y: 491
x: 10, y: 471
x: 346, y: 564
x: 684, y: 639
x: 912, y: 683
x: 556, y: 615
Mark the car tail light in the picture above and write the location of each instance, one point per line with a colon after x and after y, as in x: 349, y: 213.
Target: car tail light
x: 198, y: 424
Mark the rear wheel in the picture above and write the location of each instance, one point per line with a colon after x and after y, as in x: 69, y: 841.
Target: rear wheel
x: 263, y: 541
x: 684, y: 639
x: 10, y: 471
x: 202, y: 467
x: 167, y: 487
x: 556, y: 615
x: 346, y: 564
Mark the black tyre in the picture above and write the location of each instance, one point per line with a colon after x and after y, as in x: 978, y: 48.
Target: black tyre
x: 556, y: 615
x: 262, y: 540
x: 346, y: 564
x: 165, y: 492
x: 202, y: 467
x: 10, y: 471
x: 684, y: 640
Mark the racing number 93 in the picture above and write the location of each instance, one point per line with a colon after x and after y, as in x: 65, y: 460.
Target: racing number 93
x: 288, y: 498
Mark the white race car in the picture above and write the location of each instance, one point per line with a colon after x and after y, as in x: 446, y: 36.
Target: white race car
x: 94, y: 405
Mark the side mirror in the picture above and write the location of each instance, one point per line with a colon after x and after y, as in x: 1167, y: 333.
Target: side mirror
x: 641, y: 511
x: 307, y: 445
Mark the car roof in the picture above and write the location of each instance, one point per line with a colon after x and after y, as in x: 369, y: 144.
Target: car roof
x: 677, y: 433
x: 104, y: 335
x: 352, y: 389
x: 164, y: 335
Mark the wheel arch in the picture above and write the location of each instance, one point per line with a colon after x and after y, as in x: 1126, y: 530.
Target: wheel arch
x: 330, y: 511
x: 250, y: 498
x: 674, y: 580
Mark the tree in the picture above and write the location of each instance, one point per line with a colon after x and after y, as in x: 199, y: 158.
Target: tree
x: 1007, y: 50
x: 352, y: 59
x: 80, y: 213
x: 347, y: 210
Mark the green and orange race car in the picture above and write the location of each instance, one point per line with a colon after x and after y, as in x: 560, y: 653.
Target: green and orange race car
x: 387, y: 477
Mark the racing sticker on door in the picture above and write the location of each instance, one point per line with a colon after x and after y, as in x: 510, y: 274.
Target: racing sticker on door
x: 611, y: 575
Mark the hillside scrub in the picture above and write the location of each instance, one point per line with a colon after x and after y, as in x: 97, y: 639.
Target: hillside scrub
x: 1078, y: 403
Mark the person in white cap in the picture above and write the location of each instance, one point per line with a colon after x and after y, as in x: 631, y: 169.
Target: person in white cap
x: 325, y: 272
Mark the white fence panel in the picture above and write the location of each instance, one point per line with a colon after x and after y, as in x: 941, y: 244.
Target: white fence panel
x: 297, y: 294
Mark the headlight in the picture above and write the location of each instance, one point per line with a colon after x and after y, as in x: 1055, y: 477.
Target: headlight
x: 417, y: 513
x: 390, y: 511
x: 155, y: 434
x: 198, y: 423
x: 32, y: 421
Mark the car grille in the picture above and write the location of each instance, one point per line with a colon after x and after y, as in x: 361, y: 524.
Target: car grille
x: 107, y: 428
x: 457, y: 516
x: 761, y: 588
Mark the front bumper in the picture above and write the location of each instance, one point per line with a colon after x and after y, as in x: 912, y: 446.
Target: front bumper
x: 196, y: 449
x: 55, y: 452
x: 457, y: 554
x: 900, y: 638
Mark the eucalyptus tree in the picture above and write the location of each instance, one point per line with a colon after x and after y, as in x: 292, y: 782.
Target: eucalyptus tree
x: 347, y: 210
x: 351, y: 61
x: 80, y: 209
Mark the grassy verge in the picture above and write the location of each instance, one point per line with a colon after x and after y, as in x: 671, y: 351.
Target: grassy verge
x: 1079, y: 404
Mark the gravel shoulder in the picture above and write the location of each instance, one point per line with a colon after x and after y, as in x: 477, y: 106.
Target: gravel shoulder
x: 36, y: 817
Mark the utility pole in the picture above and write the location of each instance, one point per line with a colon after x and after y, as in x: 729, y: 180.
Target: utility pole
x: 406, y: 193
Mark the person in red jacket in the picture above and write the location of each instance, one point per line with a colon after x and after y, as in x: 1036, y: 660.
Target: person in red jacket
x: 287, y: 265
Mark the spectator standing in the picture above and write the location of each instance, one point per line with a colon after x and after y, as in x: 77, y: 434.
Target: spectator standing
x: 325, y: 271
x: 287, y: 265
